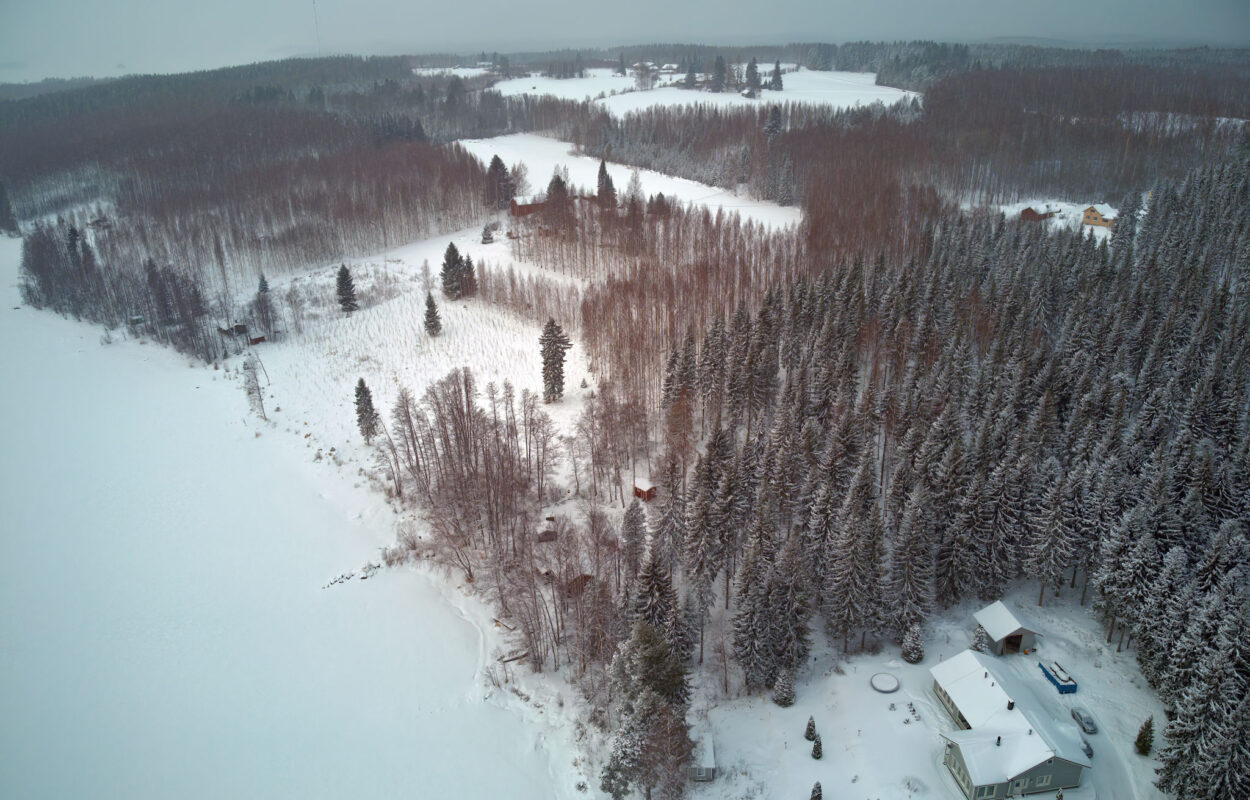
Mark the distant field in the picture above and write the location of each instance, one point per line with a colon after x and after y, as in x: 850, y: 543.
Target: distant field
x: 835, y: 89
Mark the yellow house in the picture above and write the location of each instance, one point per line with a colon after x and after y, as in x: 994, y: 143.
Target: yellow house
x: 1099, y: 214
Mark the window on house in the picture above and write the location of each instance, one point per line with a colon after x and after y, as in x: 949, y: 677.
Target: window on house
x: 985, y: 792
x: 1042, y: 780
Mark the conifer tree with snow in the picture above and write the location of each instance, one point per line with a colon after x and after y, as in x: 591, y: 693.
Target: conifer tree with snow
x: 8, y: 221
x: 753, y: 79
x: 468, y: 278
x: 553, y: 343
x: 633, y: 539
x: 719, y: 75
x: 265, y: 315
x: 981, y: 640
x: 607, y: 190
x: 453, y: 264
x: 499, y: 185
x: 783, y: 689
x: 367, y: 419
x: 433, y: 322
x: 913, y: 644
x: 818, y: 751
x: 774, y: 81
x: 817, y: 794
x: 488, y: 233
x: 692, y: 78
x: 809, y: 733
x: 345, y: 288
x: 1145, y: 737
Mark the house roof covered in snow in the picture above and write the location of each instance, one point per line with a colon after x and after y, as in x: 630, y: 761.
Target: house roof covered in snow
x: 999, y: 621
x: 981, y: 691
x: 1105, y: 211
x: 704, y: 754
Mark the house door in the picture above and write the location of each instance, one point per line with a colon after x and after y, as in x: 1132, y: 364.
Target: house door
x: 1017, y: 786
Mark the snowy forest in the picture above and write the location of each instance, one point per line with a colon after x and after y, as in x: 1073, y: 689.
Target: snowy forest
x: 854, y: 423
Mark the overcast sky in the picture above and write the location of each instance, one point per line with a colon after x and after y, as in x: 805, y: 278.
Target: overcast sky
x: 65, y: 38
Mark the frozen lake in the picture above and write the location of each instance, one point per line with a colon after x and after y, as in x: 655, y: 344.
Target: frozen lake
x: 164, y: 630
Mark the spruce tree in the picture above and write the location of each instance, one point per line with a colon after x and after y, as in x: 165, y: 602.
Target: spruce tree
x: 774, y: 82
x: 817, y: 794
x: 8, y: 222
x: 607, y: 190
x: 554, y: 343
x: 488, y: 233
x: 981, y: 640
x: 633, y: 538
x: 719, y: 74
x: 753, y: 79
x: 452, y: 266
x: 264, y: 305
x: 809, y: 733
x: 913, y: 645
x: 783, y: 689
x: 818, y: 751
x: 468, y: 278
x: 346, y: 290
x: 367, y: 419
x: 433, y: 323
x: 692, y: 78
x: 1145, y: 737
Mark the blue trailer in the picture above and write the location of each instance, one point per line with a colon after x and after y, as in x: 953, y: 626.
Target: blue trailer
x: 1057, y: 675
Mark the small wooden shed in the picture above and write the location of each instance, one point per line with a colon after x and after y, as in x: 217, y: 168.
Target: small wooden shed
x: 644, y: 490
x: 1031, y: 214
x: 1007, y: 633
x: 703, y: 758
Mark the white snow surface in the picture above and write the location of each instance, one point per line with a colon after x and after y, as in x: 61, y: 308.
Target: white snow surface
x: 999, y: 621
x: 597, y: 81
x: 542, y: 155
x: 166, y: 632
x: 808, y: 87
x: 617, y: 94
x: 462, y: 72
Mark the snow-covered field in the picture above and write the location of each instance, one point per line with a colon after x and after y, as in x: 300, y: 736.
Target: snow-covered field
x: 598, y: 81
x: 877, y: 748
x: 616, y: 93
x: 810, y: 87
x: 1069, y: 216
x: 462, y: 72
x: 166, y: 632
x: 542, y: 155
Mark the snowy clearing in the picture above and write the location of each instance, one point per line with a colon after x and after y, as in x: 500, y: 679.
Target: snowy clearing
x: 616, y: 93
x: 1068, y: 214
x: 809, y: 87
x: 887, y: 746
x: 167, y: 633
x: 461, y: 72
x: 542, y: 155
x: 598, y: 81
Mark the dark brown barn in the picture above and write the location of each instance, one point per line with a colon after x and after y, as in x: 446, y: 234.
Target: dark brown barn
x: 643, y: 490
x: 524, y: 209
x: 1031, y: 215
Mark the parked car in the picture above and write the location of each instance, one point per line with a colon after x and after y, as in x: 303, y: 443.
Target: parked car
x: 1089, y: 751
x: 1085, y: 720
